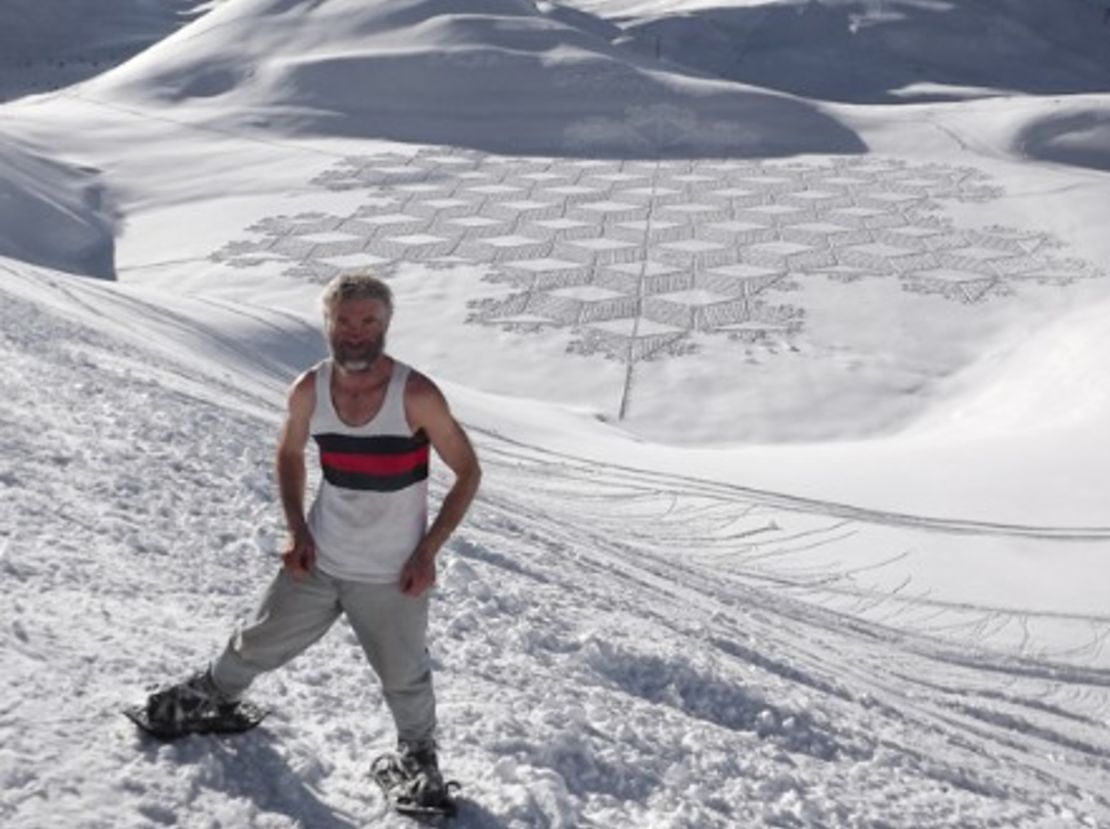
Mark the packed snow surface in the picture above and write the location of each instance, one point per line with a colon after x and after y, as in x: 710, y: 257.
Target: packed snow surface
x: 780, y: 330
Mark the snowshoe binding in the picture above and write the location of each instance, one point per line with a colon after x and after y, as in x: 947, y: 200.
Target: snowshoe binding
x: 194, y: 706
x: 412, y: 783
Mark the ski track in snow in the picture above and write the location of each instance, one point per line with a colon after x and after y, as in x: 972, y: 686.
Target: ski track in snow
x: 613, y: 648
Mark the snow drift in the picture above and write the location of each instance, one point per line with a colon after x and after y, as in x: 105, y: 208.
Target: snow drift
x: 499, y: 75
x: 55, y: 214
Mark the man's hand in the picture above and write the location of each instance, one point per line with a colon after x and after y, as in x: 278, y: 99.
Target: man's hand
x: 300, y: 555
x: 419, y: 572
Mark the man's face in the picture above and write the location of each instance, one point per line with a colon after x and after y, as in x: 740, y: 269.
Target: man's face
x: 356, y: 333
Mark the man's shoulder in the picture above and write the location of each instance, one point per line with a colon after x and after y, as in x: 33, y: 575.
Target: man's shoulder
x: 306, y: 381
x: 321, y: 368
x: 419, y: 386
x: 424, y: 402
x: 302, y: 393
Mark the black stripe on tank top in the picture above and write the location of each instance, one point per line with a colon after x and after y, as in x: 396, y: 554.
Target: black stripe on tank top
x: 371, y: 445
x: 377, y: 463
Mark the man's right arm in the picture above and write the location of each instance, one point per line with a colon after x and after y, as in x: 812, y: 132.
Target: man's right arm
x: 300, y: 554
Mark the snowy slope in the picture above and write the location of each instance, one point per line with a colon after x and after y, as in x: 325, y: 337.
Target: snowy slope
x: 792, y: 410
x: 613, y: 649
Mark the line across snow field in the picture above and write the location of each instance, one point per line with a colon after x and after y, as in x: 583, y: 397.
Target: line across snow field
x: 611, y: 650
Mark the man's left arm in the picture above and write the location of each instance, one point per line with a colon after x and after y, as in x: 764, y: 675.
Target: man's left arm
x: 427, y: 409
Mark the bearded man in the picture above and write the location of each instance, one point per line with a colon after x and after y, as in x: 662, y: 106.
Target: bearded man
x: 364, y: 548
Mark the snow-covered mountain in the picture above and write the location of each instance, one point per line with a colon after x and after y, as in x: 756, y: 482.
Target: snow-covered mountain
x: 787, y: 375
x: 498, y: 75
x: 889, y: 51
x: 49, y: 46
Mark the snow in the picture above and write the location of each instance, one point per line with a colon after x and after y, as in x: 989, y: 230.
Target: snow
x: 1079, y: 136
x: 881, y: 51
x: 788, y: 375
x: 55, y: 214
x: 48, y: 46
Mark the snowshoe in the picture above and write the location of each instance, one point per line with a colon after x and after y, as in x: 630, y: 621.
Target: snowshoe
x: 412, y: 784
x: 194, y: 706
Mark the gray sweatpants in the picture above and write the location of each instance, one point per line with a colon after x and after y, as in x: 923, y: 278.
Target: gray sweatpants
x: 390, y: 626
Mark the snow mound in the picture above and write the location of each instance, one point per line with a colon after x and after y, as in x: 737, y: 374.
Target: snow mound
x: 499, y: 75
x: 54, y: 214
x: 1079, y: 137
x: 888, y: 51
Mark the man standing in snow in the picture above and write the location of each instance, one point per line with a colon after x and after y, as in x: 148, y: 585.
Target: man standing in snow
x: 364, y: 548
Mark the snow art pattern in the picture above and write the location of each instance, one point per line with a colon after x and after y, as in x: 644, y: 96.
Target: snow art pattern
x: 637, y: 256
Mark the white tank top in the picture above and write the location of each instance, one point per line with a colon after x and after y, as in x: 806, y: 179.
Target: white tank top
x: 371, y: 509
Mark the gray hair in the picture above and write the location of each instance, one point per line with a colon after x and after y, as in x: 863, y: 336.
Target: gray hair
x: 355, y: 286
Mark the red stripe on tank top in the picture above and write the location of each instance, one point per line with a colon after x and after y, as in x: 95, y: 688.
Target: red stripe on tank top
x: 375, y: 464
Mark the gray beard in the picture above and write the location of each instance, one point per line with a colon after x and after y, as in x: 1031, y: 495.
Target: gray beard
x: 360, y: 361
x: 355, y: 366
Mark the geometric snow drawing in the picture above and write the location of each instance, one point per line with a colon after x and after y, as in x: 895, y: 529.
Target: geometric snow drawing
x: 635, y: 257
